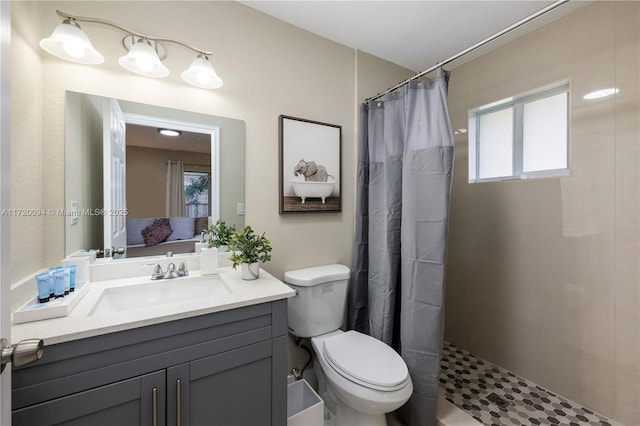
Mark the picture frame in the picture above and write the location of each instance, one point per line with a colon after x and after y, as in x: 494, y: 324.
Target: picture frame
x: 310, y: 166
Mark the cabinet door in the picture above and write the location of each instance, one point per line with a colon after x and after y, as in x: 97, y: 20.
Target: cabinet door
x: 233, y: 388
x: 137, y: 401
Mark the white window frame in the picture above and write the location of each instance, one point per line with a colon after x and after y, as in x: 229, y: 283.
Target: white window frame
x: 517, y: 103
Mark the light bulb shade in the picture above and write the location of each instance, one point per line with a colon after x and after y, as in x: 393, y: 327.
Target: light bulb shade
x: 201, y: 74
x: 69, y: 42
x: 142, y: 59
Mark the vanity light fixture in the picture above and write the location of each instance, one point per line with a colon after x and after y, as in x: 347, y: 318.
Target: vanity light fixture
x: 169, y: 132
x: 201, y: 74
x: 69, y: 42
x: 144, y: 57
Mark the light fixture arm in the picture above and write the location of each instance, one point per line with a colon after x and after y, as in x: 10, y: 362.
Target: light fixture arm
x: 131, y: 32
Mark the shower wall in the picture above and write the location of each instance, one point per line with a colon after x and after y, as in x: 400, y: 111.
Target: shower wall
x: 543, y: 276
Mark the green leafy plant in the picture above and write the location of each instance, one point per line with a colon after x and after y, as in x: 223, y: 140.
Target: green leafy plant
x: 249, y: 247
x: 220, y: 234
x: 195, y: 187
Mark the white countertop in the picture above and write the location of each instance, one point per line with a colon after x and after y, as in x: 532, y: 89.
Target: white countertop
x: 81, y: 324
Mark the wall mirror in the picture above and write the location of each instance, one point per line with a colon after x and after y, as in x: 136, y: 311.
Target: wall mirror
x: 130, y: 188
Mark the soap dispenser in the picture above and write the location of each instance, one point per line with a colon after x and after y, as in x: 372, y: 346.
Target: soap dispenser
x: 200, y: 244
x: 208, y: 260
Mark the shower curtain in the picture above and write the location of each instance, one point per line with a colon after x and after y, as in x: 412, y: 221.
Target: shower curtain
x: 404, y: 183
x: 175, y: 199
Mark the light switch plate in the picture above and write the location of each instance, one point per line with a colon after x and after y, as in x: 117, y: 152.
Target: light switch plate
x: 74, y: 214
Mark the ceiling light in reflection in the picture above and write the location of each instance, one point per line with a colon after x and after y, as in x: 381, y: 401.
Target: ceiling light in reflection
x: 170, y: 132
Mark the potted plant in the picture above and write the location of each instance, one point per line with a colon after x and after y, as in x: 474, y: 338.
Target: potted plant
x: 249, y: 250
x: 220, y: 235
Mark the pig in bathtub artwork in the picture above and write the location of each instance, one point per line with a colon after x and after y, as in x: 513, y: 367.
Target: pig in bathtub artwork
x: 310, y: 166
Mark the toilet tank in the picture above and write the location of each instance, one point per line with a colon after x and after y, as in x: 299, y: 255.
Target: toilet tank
x: 320, y: 303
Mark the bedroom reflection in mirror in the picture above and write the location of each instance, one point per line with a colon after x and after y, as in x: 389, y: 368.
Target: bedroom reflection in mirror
x: 168, y: 190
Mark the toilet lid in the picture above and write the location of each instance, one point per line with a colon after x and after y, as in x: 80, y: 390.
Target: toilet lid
x: 366, y: 360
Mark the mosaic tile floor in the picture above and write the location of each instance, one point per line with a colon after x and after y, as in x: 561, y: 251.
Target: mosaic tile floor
x: 497, y: 397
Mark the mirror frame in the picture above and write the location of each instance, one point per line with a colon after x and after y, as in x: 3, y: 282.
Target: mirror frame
x: 140, y: 113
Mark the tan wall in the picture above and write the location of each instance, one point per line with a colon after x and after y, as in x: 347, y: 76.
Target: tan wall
x: 27, y: 156
x: 543, y: 274
x: 147, y: 178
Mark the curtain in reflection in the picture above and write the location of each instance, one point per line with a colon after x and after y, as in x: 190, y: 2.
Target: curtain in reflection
x: 404, y: 184
x: 175, y: 201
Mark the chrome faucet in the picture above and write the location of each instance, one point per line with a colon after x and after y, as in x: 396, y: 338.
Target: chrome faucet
x: 172, y: 272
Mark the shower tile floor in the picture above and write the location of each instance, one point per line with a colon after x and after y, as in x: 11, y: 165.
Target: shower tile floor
x: 495, y: 396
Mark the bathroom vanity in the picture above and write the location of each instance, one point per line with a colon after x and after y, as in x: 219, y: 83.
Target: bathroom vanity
x: 218, y: 362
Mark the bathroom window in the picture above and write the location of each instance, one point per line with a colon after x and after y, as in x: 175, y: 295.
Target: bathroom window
x: 522, y: 137
x: 197, y: 193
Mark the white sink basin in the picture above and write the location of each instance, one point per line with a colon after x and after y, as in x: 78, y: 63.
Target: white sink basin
x: 157, y: 293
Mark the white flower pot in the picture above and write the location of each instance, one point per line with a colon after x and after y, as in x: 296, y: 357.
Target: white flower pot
x: 208, y: 260
x: 223, y: 248
x: 250, y: 271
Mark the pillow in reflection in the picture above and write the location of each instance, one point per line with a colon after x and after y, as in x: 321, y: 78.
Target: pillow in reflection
x: 183, y: 228
x: 157, y: 232
x: 134, y: 230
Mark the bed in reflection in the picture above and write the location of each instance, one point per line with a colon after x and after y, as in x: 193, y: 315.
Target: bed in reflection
x: 157, y: 236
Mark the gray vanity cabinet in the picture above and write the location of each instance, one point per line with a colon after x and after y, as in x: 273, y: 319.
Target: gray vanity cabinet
x: 226, y: 368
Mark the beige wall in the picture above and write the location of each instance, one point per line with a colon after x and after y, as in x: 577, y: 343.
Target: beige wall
x: 27, y: 156
x: 147, y: 178
x: 269, y: 68
x: 543, y: 274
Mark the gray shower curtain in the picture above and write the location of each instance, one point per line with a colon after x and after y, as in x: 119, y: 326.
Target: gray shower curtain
x: 405, y: 166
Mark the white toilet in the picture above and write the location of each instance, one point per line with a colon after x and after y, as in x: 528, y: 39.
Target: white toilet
x: 360, y: 378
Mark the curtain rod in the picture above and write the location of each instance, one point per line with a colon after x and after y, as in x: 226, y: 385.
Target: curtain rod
x: 489, y: 39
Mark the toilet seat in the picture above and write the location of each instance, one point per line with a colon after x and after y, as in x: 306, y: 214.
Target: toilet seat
x: 366, y: 361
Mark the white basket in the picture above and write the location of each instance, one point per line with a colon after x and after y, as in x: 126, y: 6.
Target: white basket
x: 304, y: 406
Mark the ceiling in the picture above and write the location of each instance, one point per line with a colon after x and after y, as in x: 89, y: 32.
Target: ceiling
x: 414, y: 34
x: 149, y: 137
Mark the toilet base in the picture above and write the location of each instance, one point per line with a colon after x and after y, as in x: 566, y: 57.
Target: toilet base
x: 347, y: 416
x: 342, y: 414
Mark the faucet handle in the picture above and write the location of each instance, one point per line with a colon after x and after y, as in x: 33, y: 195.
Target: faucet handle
x: 157, y: 273
x: 182, y: 270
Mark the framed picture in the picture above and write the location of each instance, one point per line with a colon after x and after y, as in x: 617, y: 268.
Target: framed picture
x: 310, y: 166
